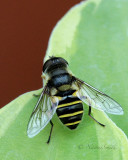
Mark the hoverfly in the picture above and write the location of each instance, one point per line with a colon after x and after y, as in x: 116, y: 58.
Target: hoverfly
x: 64, y: 94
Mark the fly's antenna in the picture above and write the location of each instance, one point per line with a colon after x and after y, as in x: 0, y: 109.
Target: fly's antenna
x: 51, y: 56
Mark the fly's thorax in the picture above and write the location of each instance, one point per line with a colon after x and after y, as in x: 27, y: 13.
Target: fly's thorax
x: 57, y: 75
x: 45, y: 78
x: 53, y: 91
x: 74, y: 86
x: 57, y: 71
x: 61, y: 81
x: 64, y: 87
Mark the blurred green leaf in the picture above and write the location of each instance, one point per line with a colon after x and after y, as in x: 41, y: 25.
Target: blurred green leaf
x: 93, y: 38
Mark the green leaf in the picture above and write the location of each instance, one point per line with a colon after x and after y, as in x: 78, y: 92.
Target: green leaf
x: 93, y: 37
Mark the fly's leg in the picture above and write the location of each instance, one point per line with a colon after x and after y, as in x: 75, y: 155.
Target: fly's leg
x: 89, y: 113
x: 36, y: 95
x: 50, y: 132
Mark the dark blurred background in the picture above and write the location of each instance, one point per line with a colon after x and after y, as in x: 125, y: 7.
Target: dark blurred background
x: 25, y: 27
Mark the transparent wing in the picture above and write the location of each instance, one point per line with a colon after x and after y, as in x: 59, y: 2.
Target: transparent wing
x: 42, y: 113
x: 97, y: 99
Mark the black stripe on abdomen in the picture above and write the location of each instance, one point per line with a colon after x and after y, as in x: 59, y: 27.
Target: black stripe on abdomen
x: 70, y: 111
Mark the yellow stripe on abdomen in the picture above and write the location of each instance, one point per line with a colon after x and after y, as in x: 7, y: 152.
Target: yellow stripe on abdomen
x: 69, y: 104
x: 71, y: 114
x: 73, y: 123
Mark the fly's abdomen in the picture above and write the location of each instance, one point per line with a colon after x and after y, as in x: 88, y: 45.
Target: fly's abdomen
x: 70, y: 111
